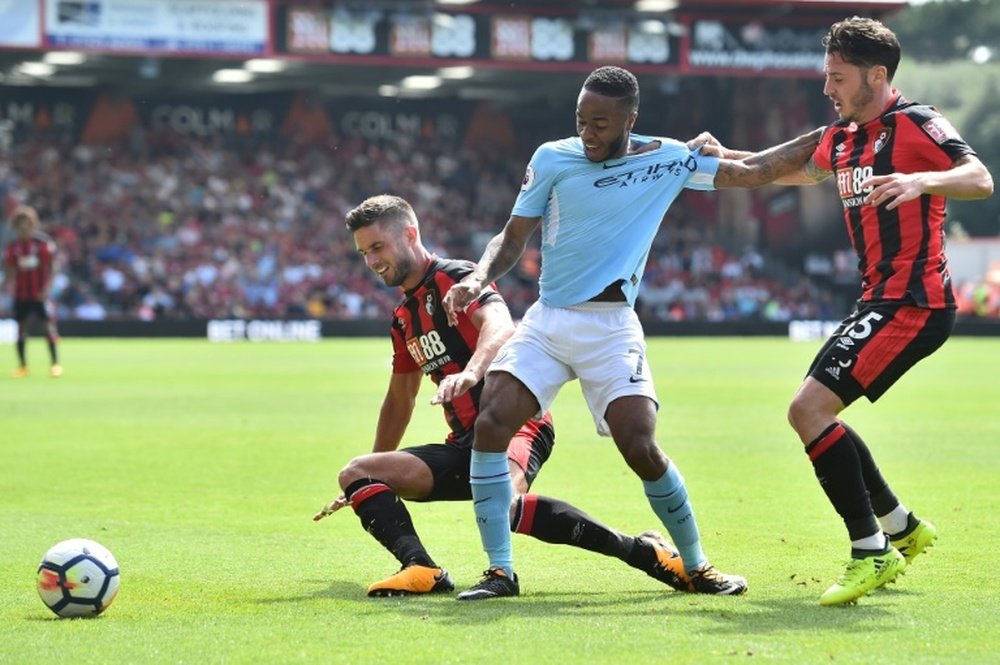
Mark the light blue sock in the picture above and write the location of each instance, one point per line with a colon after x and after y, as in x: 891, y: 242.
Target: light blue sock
x: 492, y: 493
x: 669, y: 499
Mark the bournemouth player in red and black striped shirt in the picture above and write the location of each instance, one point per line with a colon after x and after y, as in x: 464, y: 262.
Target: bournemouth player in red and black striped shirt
x: 28, y: 269
x: 894, y: 162
x: 387, y: 235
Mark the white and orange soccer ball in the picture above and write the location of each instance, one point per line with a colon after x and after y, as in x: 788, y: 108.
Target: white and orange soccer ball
x: 78, y: 578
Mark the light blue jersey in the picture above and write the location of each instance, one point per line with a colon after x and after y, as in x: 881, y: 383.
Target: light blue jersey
x: 599, y: 218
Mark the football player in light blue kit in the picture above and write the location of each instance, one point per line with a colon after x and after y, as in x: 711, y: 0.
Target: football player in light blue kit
x: 600, y: 198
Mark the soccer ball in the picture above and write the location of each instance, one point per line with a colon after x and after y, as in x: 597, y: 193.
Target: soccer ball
x: 78, y: 578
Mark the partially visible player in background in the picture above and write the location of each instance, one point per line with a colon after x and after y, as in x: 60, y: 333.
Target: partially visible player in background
x: 386, y: 233
x: 895, y: 162
x: 28, y: 272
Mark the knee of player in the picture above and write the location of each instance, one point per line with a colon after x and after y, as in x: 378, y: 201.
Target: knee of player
x: 492, y: 432
x: 356, y: 469
x: 798, y: 410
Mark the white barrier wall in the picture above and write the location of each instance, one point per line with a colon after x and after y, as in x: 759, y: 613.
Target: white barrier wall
x: 969, y: 260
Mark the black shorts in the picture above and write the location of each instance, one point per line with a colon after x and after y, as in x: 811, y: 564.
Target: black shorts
x: 877, y: 344
x: 449, y: 463
x: 42, y: 309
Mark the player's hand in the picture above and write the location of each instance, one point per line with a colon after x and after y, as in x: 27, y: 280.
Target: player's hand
x: 331, y: 508
x: 454, y: 385
x: 460, y: 296
x: 710, y: 146
x: 893, y: 189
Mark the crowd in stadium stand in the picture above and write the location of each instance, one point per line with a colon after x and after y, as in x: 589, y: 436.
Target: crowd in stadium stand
x: 170, y: 226
x: 177, y: 226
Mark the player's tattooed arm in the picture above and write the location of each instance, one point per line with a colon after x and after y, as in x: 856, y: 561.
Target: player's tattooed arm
x: 505, y: 249
x: 809, y: 174
x: 501, y: 254
x: 767, y: 166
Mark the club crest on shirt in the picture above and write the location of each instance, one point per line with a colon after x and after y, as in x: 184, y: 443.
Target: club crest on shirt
x: 940, y: 130
x: 429, y: 303
x: 529, y: 178
x: 882, y: 139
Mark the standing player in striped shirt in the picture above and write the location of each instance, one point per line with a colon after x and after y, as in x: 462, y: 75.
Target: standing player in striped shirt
x: 387, y: 235
x: 894, y: 161
x: 28, y: 271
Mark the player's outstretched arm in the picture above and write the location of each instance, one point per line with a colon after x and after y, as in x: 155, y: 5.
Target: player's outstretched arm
x: 767, y: 166
x: 501, y: 254
x: 495, y: 327
x: 967, y: 179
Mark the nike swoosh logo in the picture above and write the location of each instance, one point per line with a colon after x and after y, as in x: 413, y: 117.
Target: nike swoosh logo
x: 633, y: 379
x: 614, y: 166
x: 476, y: 503
x: 674, y: 510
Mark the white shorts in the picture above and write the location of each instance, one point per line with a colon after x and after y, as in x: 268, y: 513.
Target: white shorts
x: 600, y: 343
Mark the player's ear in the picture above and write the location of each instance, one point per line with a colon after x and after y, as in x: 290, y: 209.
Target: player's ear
x: 877, y: 75
x: 631, y: 120
x: 412, y: 235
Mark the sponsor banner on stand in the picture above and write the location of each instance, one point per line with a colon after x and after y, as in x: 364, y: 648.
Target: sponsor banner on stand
x: 480, y: 37
x: 240, y: 330
x: 102, y: 115
x: 159, y: 26
x: 754, y: 46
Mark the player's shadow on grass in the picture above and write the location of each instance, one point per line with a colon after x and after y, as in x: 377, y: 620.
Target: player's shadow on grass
x: 443, y: 608
x: 803, y: 613
x: 334, y: 589
x: 738, y: 616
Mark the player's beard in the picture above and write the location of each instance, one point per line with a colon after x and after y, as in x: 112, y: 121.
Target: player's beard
x: 613, y: 149
x: 859, y: 102
x: 616, y: 147
x: 398, y: 272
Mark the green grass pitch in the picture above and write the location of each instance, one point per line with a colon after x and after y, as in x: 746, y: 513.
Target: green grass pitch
x: 201, y: 465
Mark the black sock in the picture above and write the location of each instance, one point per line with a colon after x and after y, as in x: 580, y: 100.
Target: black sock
x: 53, y: 354
x: 384, y: 516
x: 838, y: 469
x: 882, y: 499
x: 20, y: 351
x: 557, y: 522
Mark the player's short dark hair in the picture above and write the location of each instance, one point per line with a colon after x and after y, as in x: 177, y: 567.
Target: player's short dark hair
x: 615, y: 82
x: 864, y: 42
x: 379, y: 209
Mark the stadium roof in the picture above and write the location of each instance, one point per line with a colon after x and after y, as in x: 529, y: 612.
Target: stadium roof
x: 334, y: 75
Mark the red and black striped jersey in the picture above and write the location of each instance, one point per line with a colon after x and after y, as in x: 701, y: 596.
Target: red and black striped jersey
x: 901, y: 254
x: 31, y: 261
x: 423, y: 340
